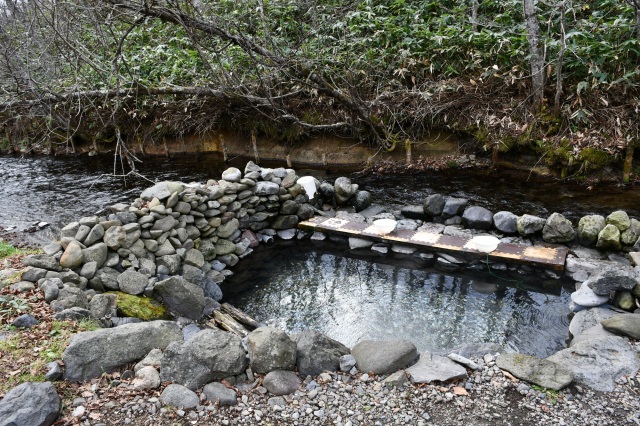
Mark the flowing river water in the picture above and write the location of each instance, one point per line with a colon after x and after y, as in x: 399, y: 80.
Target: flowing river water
x: 345, y: 295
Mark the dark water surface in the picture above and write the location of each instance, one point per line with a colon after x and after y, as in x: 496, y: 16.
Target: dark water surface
x: 349, y: 299
x: 344, y: 296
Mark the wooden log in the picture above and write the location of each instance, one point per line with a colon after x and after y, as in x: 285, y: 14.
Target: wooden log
x: 227, y: 323
x: 240, y: 316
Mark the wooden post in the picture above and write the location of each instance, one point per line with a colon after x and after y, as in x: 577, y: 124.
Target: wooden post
x: 166, y: 148
x: 288, y: 161
x: 369, y: 161
x: 628, y: 161
x: 407, y: 147
x: 324, y: 161
x: 224, y: 148
x: 254, y: 143
x: 494, y: 154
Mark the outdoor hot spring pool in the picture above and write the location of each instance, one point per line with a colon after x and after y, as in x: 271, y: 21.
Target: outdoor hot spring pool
x: 298, y: 287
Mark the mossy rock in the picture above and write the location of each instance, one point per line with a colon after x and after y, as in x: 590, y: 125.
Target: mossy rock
x: 139, y: 307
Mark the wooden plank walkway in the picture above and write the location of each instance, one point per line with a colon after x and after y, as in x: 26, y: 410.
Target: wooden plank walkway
x: 546, y: 257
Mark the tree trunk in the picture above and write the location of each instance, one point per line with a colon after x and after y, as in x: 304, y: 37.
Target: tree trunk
x: 536, y: 60
x: 474, y: 15
x: 563, y: 46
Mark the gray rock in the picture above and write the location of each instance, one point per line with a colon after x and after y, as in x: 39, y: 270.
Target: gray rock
x: 473, y: 350
x: 170, y: 261
x: 396, y: 380
x: 609, y: 238
x: 585, y: 321
x: 558, y: 229
x: 153, y: 359
x: 22, y: 286
x: 285, y: 222
x: 69, y: 230
x: 625, y: 300
x: 88, y: 270
x: 95, y: 235
x: 587, y: 298
x: 317, y: 352
x: 105, y: 279
x: 267, y: 188
x: 102, y: 305
x: 598, y: 362
x: 344, y: 188
x: 506, y: 222
x: 69, y: 297
x: 384, y: 356
x: 224, y: 247
x: 165, y: 224
x: 289, y: 207
x: 50, y: 289
x: 25, y: 321
x: 227, y: 229
x: 624, y: 324
x: 42, y: 261
x: 161, y: 190
x: 588, y: 229
x: 212, y: 354
x: 30, y: 404
x: 433, y: 205
x: 179, y: 396
x: 359, y: 243
x: 73, y: 314
x: 92, y: 353
x: 55, y: 372
x: 534, y: 370
x: 413, y: 212
x: 194, y: 257
x: 132, y: 282
x: 630, y: 235
x: 347, y: 362
x: 232, y: 174
x: 33, y: 274
x: 270, y: 349
x: 362, y: 200
x: 96, y: 253
x: 281, y: 382
x: 217, y: 392
x: 181, y: 296
x: 528, y: 224
x: 609, y: 279
x: 146, y: 378
x: 477, y: 217
x: 430, y: 368
x: 82, y: 233
x: 619, y: 219
x: 453, y: 207
x: 115, y: 237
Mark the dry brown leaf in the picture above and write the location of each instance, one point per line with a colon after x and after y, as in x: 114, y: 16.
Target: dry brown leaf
x: 460, y: 391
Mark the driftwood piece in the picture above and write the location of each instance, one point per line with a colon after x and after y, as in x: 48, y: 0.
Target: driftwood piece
x: 225, y: 322
x: 240, y: 316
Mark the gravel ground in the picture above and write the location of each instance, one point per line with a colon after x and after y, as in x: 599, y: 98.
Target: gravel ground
x: 487, y: 397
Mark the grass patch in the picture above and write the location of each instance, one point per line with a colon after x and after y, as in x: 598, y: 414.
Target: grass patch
x: 139, y: 307
x: 7, y: 250
x: 552, y: 395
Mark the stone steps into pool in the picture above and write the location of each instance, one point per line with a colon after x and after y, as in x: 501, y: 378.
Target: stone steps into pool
x: 546, y: 257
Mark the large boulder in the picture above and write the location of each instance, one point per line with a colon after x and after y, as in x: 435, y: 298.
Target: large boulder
x: 92, y: 353
x: 161, y: 190
x: 30, y: 404
x: 433, y: 205
x: 232, y: 174
x: 609, y: 238
x: 211, y: 354
x: 586, y: 324
x: 132, y: 282
x: 506, y: 222
x: 317, y: 352
x: 477, y: 217
x: 528, y: 224
x: 384, y: 356
x: 270, y: 349
x: 96, y: 253
x: 558, y: 229
x: 624, y: 324
x: 589, y: 228
x: 181, y: 296
x: 585, y: 296
x: 598, y: 362
x: 435, y: 368
x: 361, y: 201
x: 610, y: 279
x: 541, y: 372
